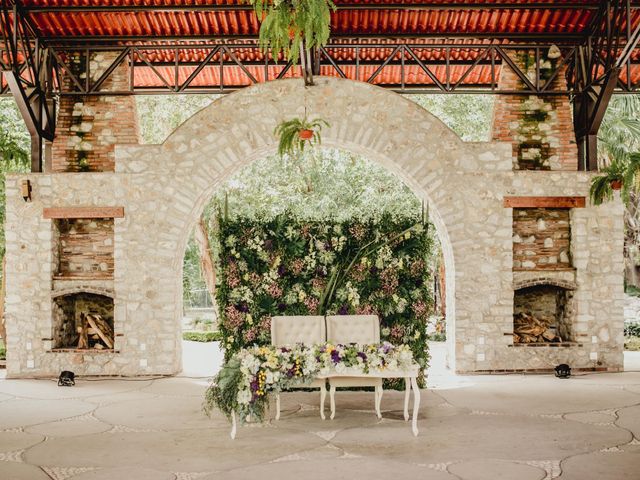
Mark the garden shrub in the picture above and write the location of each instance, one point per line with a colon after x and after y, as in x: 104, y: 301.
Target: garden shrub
x: 202, y: 336
x: 289, y: 266
x: 632, y: 329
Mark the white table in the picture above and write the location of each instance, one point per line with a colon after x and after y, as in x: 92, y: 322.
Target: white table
x: 410, y: 380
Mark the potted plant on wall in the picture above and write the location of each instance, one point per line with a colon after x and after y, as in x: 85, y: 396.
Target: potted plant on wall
x: 294, y: 27
x: 619, y: 175
x: 297, y: 133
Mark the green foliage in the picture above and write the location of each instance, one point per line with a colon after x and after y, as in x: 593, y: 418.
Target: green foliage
x: 202, y: 336
x: 160, y: 115
x: 632, y: 290
x: 619, y: 134
x: 223, y: 392
x: 437, y: 337
x: 632, y: 329
x: 620, y: 171
x: 322, y: 183
x: 290, y: 141
x: 287, y: 23
x: 469, y: 116
x: 3, y: 351
x: 632, y: 344
x: 289, y: 266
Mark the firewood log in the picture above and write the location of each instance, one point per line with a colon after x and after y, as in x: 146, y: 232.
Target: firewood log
x: 83, y: 340
x: 102, y: 328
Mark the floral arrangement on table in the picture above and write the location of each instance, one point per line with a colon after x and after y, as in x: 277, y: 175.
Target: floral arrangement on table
x: 288, y: 266
x: 243, y: 384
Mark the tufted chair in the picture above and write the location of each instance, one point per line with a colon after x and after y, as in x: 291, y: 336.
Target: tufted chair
x: 362, y: 329
x: 307, y: 329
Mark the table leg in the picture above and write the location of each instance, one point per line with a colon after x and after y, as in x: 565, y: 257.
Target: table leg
x: 378, y: 401
x: 323, y: 396
x: 407, y: 393
x: 416, y: 405
x: 332, y: 400
x: 233, y: 425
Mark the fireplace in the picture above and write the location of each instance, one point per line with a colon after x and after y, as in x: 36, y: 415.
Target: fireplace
x: 84, y: 321
x: 543, y: 314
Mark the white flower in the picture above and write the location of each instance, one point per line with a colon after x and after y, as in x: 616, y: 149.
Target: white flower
x: 340, y: 367
x: 244, y: 397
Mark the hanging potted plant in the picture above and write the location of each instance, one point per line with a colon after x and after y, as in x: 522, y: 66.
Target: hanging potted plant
x: 293, y: 27
x: 619, y: 175
x: 297, y: 133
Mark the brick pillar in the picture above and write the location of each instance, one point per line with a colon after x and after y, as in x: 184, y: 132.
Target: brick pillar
x: 540, y: 128
x: 90, y: 126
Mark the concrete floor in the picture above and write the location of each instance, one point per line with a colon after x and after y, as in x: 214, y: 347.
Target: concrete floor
x: 471, y: 428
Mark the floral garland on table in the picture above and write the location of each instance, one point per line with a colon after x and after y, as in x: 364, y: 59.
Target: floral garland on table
x: 244, y: 382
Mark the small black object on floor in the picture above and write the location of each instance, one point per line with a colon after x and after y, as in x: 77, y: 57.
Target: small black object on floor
x: 563, y: 371
x: 66, y: 379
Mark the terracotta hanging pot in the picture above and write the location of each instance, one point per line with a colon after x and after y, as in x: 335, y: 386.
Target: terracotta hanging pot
x: 305, y: 134
x: 616, y: 184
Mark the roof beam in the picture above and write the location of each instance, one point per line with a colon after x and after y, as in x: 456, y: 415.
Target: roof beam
x: 547, y: 38
x: 341, y: 6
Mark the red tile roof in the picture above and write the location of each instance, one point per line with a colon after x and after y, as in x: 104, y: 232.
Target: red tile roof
x: 418, y: 22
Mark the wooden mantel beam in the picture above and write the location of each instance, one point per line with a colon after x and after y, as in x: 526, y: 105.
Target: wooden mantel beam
x: 83, y: 212
x: 544, y: 202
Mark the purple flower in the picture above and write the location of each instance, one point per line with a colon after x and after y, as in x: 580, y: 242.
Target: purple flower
x: 281, y: 270
x: 385, y: 348
x: 344, y: 309
x: 243, y: 307
x: 282, y: 307
x: 373, y: 270
x: 335, y: 356
x: 363, y: 356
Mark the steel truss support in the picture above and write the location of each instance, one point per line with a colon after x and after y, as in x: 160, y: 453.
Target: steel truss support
x: 596, y: 71
x: 29, y: 72
x: 158, y: 69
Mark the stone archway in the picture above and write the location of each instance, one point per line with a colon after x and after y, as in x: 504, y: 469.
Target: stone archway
x: 163, y: 189
x: 381, y: 126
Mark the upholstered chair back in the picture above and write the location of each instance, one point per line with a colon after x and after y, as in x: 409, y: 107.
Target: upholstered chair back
x: 353, y: 329
x: 289, y: 330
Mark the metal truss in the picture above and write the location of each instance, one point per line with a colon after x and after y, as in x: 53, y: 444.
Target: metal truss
x: 601, y: 66
x: 29, y: 75
x: 219, y: 68
x: 588, y: 70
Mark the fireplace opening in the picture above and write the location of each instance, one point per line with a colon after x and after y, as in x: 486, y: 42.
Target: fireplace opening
x: 543, y: 314
x: 83, y: 321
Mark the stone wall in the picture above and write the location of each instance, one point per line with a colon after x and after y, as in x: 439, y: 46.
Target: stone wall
x: 90, y: 126
x: 541, y: 238
x: 540, y: 129
x: 164, y: 189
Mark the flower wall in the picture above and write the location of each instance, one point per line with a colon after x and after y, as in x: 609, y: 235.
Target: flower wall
x: 288, y: 266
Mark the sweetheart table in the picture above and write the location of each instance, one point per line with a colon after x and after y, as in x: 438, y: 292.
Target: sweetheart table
x: 411, y: 384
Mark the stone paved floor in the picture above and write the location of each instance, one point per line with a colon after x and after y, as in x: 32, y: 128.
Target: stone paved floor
x: 471, y: 428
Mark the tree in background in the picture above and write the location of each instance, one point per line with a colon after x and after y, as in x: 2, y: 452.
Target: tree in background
x: 618, y: 138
